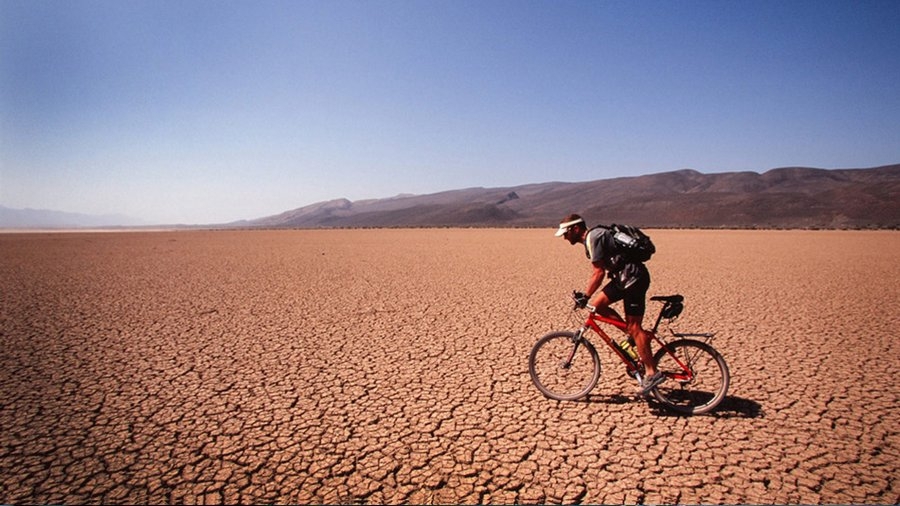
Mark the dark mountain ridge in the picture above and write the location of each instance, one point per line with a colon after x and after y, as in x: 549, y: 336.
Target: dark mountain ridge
x: 792, y: 197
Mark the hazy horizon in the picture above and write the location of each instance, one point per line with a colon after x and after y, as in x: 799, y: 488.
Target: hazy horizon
x: 211, y: 112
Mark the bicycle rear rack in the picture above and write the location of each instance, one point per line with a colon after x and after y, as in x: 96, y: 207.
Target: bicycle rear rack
x: 703, y: 336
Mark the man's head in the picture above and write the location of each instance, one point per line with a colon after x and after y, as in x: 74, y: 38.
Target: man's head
x: 572, y: 229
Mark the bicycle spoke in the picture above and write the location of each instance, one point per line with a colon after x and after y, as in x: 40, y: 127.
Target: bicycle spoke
x: 562, y: 369
x: 698, y: 377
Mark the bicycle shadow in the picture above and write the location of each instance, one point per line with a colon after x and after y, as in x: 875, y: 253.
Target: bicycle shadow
x: 731, y: 406
x: 607, y: 399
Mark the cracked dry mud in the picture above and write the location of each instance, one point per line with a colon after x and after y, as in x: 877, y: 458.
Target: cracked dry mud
x: 391, y: 366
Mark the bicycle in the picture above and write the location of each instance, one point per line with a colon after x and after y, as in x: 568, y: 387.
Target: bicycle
x: 565, y: 365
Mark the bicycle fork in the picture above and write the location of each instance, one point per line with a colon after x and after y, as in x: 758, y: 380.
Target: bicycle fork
x: 576, y: 342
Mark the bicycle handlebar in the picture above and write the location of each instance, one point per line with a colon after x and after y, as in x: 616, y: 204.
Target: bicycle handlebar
x: 581, y: 301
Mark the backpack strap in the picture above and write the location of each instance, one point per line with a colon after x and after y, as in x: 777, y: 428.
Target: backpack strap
x: 589, y: 245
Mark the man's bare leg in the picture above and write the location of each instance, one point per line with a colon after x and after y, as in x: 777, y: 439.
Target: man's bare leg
x: 601, y: 303
x: 642, y: 340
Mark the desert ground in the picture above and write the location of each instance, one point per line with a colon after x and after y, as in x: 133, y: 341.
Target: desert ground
x: 371, y: 366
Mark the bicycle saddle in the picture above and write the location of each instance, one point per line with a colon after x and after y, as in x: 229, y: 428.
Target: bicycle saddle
x: 669, y: 298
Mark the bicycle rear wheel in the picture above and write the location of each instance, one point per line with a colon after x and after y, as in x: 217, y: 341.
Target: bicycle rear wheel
x: 697, y: 387
x: 563, y: 369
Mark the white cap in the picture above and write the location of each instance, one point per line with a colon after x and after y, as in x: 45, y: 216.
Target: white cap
x: 565, y: 226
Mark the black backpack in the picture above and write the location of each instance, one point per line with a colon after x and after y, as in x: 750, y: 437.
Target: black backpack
x: 632, y: 243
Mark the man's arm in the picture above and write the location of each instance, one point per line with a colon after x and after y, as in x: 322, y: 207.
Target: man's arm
x: 596, y: 279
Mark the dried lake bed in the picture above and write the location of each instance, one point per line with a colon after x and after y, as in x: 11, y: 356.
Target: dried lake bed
x: 309, y: 366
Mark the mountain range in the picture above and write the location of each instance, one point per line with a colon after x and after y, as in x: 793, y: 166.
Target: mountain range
x: 793, y: 197
x: 43, y: 218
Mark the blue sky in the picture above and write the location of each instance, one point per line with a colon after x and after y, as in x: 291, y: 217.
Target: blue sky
x: 213, y: 111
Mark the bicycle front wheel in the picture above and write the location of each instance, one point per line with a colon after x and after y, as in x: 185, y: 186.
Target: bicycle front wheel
x: 562, y: 368
x: 697, y: 377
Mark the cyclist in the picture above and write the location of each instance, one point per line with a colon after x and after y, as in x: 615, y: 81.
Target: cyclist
x: 629, y: 283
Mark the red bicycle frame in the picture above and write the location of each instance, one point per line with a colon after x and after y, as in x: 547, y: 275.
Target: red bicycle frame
x: 633, y: 366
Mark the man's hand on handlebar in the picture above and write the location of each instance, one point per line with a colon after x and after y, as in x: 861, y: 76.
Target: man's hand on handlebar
x: 581, y: 300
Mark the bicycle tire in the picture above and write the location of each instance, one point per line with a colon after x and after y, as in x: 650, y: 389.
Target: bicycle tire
x: 559, y: 382
x: 709, y: 382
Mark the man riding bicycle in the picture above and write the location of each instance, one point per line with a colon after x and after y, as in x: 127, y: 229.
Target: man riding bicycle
x: 629, y: 283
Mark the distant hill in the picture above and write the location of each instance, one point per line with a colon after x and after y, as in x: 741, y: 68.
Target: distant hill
x: 42, y: 218
x: 794, y: 197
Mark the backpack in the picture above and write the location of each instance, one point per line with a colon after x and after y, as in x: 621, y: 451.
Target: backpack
x: 632, y: 243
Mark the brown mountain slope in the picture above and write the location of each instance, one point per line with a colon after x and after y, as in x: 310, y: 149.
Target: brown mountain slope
x: 793, y: 197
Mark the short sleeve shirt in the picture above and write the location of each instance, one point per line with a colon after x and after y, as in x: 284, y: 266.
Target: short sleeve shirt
x: 599, y: 247
x: 595, y: 245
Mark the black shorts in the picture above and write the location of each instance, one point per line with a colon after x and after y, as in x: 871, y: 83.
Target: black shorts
x: 630, y: 285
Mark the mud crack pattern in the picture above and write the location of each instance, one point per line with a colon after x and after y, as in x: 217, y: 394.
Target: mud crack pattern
x: 390, y: 366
